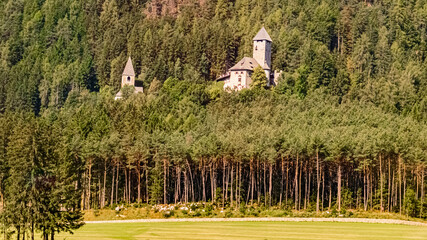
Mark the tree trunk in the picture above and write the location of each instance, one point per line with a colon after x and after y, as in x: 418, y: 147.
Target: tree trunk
x: 365, y: 188
x: 104, y: 185
x: 165, y: 200
x: 281, y: 182
x: 265, y: 185
x: 126, y: 185
x: 296, y: 183
x: 322, y: 173
x: 89, y: 184
x: 318, y: 182
x: 227, y: 179
x: 270, y: 187
x: 381, y: 185
x: 389, y: 185
x: 203, y: 181
x: 422, y: 191
x: 231, y: 190
x: 339, y: 187
x: 299, y: 189
x: 223, y: 181
x: 252, y: 182
x: 400, y: 187
x: 287, y: 182
x: 146, y: 182
x: 138, y: 169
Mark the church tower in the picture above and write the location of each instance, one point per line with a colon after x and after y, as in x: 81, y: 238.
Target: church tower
x: 128, y: 76
x: 262, y: 51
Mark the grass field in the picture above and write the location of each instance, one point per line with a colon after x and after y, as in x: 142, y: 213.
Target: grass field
x: 247, y: 230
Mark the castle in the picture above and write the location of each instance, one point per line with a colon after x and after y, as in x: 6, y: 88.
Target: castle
x: 128, y: 79
x: 239, y: 76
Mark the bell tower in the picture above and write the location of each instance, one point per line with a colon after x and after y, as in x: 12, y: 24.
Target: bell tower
x: 128, y: 76
x: 262, y: 51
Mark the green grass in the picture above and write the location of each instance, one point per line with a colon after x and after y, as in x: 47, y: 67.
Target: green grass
x: 247, y: 230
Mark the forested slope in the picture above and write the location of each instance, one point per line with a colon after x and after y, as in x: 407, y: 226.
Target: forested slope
x: 345, y: 128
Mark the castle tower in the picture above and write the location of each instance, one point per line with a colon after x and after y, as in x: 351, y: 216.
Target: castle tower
x: 262, y: 51
x: 128, y: 76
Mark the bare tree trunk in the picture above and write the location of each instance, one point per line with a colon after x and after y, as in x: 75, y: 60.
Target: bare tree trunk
x: 270, y: 187
x: 281, y: 182
x: 287, y: 182
x: 330, y: 195
x: 299, y: 189
x: 339, y: 187
x: 117, y: 181
x: 296, y: 183
x: 381, y: 186
x: 125, y: 199
x: 223, y: 181
x: 365, y: 188
x: 322, y: 173
x: 191, y: 181
x: 104, y: 186
x: 400, y: 187
x: 389, y: 185
x: 252, y: 182
x: 138, y: 169
x: 227, y: 179
x: 305, y: 187
x: 83, y: 198
x: 422, y: 191
x: 203, y: 181
x: 146, y: 182
x: 89, y: 184
x: 212, y: 183
x: 318, y: 182
x: 265, y: 185
x: 165, y: 197
x: 232, y: 182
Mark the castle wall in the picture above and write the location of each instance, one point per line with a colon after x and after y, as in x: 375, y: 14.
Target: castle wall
x: 262, y: 52
x: 239, y: 79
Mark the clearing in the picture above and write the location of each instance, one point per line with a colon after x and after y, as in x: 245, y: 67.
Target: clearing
x: 246, y: 230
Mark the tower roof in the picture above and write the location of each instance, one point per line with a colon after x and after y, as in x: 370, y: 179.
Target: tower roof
x: 129, y: 71
x: 262, y: 35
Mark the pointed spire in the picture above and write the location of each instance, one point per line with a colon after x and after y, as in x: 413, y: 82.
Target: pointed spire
x: 129, y: 71
x: 262, y: 35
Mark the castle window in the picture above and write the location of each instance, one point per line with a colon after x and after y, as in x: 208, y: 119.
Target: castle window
x: 240, y: 80
x: 256, y: 48
x: 128, y: 79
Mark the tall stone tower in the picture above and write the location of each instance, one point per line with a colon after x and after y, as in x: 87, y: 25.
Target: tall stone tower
x: 128, y: 76
x: 262, y: 51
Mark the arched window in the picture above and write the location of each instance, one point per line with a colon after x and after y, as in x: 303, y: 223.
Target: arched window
x: 128, y: 79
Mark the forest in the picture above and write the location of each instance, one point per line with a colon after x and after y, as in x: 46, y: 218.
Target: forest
x: 345, y: 127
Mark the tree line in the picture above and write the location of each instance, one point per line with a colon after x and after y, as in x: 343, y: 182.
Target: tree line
x: 183, y: 142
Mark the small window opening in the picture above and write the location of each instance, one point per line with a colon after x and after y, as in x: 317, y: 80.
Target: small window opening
x: 128, y: 79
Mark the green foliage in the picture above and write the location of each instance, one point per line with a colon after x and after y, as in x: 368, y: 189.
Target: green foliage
x: 259, y: 79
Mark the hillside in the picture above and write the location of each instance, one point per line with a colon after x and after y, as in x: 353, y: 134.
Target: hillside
x: 373, y: 51
x: 344, y: 129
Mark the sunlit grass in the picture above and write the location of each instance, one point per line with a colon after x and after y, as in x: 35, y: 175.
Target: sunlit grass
x: 247, y: 230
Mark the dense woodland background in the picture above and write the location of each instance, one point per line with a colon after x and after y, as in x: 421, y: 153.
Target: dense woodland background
x: 345, y: 128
